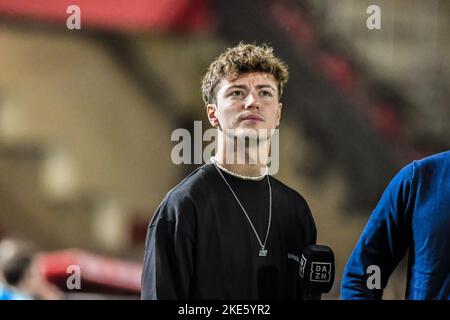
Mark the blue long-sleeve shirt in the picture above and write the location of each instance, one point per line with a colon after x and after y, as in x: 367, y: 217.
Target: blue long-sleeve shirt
x: 414, y: 214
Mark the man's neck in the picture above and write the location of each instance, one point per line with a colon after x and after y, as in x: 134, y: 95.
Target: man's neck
x: 247, y: 161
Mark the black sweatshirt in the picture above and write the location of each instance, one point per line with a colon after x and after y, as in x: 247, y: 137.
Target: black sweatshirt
x: 200, y: 245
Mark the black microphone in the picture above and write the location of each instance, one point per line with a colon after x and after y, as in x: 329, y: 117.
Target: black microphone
x: 317, y: 270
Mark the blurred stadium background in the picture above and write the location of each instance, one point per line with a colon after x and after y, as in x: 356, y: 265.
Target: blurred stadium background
x: 86, y: 116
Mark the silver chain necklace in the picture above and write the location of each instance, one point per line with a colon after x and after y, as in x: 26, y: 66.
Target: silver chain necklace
x: 263, y: 250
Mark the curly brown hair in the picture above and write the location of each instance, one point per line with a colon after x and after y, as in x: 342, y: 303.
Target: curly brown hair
x: 243, y: 58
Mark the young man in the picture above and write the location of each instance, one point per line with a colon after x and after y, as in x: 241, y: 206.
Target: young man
x: 229, y: 230
x: 413, y: 214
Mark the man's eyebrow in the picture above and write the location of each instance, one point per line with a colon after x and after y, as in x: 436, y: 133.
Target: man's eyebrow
x: 243, y: 86
x: 261, y: 86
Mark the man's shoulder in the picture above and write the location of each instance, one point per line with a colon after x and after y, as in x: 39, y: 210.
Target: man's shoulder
x: 194, y: 183
x: 426, y: 168
x: 287, y: 192
x: 185, y: 197
x: 439, y: 160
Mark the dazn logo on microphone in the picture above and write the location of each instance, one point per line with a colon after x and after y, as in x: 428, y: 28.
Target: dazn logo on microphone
x: 320, y: 272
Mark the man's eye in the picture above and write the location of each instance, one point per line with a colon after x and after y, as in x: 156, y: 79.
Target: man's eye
x: 266, y: 93
x: 236, y: 93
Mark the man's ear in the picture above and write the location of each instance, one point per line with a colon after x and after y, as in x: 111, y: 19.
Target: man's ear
x: 211, y: 110
x: 280, y: 106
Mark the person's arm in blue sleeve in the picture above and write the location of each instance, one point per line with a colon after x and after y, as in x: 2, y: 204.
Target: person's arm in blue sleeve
x: 383, y: 242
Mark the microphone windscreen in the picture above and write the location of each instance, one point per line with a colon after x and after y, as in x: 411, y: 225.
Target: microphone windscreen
x: 317, y: 269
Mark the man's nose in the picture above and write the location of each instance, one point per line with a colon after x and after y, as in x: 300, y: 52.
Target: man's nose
x: 251, y: 102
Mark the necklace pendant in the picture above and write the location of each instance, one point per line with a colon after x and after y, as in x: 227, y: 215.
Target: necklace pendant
x: 262, y: 252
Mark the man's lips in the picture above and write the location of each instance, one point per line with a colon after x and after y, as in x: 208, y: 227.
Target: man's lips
x: 254, y: 117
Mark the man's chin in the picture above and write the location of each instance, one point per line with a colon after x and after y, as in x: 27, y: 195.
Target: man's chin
x: 249, y: 133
